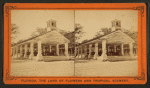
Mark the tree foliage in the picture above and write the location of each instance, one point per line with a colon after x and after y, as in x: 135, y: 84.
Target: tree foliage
x: 75, y: 35
x: 128, y: 32
x: 14, y: 32
x: 39, y: 31
x: 84, y: 41
x: 103, y: 31
x: 78, y: 31
x: 72, y: 36
x: 133, y: 35
x: 20, y: 41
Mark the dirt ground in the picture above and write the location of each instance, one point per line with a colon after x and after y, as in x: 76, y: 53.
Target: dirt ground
x: 33, y: 68
x: 66, y: 68
x: 96, y: 68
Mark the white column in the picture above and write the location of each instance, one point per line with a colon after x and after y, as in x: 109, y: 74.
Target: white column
x: 20, y: 50
x: 75, y: 53
x: 85, y: 50
x: 39, y: 55
x: 114, y: 48
x: 50, y: 48
x: 66, y: 49
x: 104, y: 55
x: 57, y: 49
x: 122, y: 50
x: 81, y: 51
x: 31, y: 50
x: 96, y: 51
x: 90, y: 46
x: 16, y: 51
x: 25, y: 52
x: 131, y: 49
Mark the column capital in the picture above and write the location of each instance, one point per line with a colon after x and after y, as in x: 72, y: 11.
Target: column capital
x: 32, y: 43
x: 96, y: 44
x: 104, y: 40
x: 90, y: 44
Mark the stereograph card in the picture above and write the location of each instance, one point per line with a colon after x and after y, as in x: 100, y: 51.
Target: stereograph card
x: 75, y: 43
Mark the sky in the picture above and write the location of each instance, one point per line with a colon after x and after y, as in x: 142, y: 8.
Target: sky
x: 93, y: 20
x: 29, y: 20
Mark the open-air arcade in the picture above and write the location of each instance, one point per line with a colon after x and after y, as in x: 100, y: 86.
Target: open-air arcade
x: 54, y: 46
x: 51, y: 45
x: 114, y: 46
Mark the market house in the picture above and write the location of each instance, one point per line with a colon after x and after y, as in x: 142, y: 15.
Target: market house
x: 51, y: 45
x: 113, y: 46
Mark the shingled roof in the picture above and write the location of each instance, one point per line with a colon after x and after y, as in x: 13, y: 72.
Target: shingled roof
x: 100, y: 37
x: 30, y: 38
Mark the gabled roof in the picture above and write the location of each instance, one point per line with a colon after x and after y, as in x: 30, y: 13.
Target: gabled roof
x: 30, y: 38
x: 36, y: 37
x: 103, y: 36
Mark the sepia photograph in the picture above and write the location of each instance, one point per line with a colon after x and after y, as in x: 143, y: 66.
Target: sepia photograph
x: 108, y: 43
x: 42, y: 43
x: 75, y: 43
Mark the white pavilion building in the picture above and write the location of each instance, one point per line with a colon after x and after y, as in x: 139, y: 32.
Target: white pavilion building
x: 113, y: 46
x: 51, y: 45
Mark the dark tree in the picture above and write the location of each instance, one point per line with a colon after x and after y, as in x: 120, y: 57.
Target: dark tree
x: 39, y: 31
x: 14, y: 32
x: 84, y: 41
x: 78, y: 31
x: 103, y: 31
x: 133, y: 35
